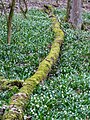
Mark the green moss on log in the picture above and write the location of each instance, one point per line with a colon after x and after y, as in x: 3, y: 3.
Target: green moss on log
x: 19, y: 100
x: 6, y: 84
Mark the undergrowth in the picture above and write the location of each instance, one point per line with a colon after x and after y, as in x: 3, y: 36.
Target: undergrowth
x: 30, y: 43
x: 65, y: 95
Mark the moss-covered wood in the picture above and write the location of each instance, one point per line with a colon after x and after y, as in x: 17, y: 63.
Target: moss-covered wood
x: 9, y: 84
x: 19, y: 100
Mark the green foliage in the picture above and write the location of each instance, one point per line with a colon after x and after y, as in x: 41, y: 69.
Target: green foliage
x: 31, y: 40
x: 65, y: 95
x: 86, y: 17
x: 29, y: 45
x: 6, y: 95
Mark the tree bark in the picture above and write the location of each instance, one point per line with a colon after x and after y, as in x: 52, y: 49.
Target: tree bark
x: 9, y: 22
x: 76, y: 14
x: 68, y: 10
x: 19, y: 100
x: 21, y: 8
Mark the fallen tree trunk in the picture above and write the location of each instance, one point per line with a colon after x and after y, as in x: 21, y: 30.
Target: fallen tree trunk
x: 19, y: 100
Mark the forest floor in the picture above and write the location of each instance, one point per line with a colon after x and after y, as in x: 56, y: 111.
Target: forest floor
x: 65, y: 94
x: 61, y: 4
x: 40, y: 3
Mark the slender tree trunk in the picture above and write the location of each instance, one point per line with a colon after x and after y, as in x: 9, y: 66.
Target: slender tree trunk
x: 76, y: 14
x: 68, y: 10
x: 21, y: 8
x: 9, y: 22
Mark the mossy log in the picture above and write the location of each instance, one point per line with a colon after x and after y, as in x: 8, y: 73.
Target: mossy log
x: 6, y: 84
x: 19, y: 100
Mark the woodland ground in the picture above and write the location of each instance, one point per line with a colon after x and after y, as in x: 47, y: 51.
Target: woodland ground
x: 65, y: 94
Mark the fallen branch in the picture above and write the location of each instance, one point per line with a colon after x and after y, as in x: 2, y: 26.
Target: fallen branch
x: 19, y: 100
x: 9, y: 84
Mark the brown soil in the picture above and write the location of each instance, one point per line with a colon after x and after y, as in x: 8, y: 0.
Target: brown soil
x: 40, y: 3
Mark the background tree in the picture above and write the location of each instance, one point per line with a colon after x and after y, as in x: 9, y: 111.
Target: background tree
x: 68, y: 10
x: 10, y: 15
x: 74, y: 14
x: 9, y: 21
x: 21, y: 8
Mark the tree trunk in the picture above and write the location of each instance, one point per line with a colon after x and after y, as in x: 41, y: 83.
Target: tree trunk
x: 21, y: 8
x: 9, y: 22
x: 76, y: 14
x: 68, y: 10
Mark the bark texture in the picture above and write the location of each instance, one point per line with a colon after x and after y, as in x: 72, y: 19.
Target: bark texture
x: 68, y: 10
x: 21, y: 8
x: 19, y: 100
x: 76, y: 17
x: 9, y: 22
